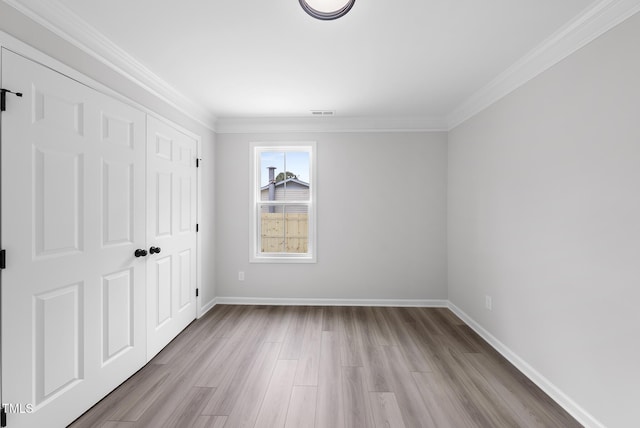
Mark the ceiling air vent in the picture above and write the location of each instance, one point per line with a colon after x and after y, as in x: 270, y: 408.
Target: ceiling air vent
x: 322, y: 113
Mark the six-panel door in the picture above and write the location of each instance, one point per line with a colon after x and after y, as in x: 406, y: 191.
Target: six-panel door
x: 171, y: 227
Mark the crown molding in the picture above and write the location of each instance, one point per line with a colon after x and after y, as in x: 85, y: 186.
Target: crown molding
x: 267, y: 125
x: 58, y: 19
x: 594, y: 21
x: 591, y: 23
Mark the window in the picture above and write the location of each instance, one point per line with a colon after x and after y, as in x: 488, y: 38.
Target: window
x: 283, y: 202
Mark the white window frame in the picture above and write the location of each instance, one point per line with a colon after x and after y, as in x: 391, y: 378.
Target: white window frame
x: 255, y: 256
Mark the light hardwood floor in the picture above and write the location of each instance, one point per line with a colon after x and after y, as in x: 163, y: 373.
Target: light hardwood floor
x: 296, y: 367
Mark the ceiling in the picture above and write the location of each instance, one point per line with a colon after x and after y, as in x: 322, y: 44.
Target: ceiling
x: 269, y: 59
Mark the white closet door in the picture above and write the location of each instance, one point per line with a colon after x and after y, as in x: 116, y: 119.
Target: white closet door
x: 171, y: 227
x: 73, y: 213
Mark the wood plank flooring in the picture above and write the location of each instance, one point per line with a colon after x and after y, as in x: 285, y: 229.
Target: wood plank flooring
x: 297, y: 367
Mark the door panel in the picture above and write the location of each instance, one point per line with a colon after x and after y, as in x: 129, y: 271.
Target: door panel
x: 164, y: 285
x: 117, y: 314
x: 117, y: 203
x: 184, y: 277
x: 58, y: 181
x: 73, y: 212
x: 185, y: 204
x: 58, y: 340
x: 55, y: 110
x: 164, y: 202
x: 171, y: 194
x: 116, y: 130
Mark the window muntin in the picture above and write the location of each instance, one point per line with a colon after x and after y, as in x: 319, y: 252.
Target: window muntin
x: 283, y: 203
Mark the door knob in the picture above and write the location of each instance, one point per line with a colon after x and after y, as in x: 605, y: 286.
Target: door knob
x: 154, y: 250
x: 140, y: 253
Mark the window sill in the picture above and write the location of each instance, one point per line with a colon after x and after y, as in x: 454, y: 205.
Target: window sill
x: 283, y: 259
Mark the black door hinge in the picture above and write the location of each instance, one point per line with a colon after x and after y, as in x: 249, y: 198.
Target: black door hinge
x: 197, y: 292
x: 3, y: 417
x: 3, y: 260
x: 3, y: 97
x: 197, y: 227
x: 198, y: 160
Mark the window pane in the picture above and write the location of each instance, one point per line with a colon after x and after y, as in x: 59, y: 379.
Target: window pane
x: 297, y: 165
x: 296, y: 227
x: 271, y: 164
x: 271, y: 229
x: 284, y: 229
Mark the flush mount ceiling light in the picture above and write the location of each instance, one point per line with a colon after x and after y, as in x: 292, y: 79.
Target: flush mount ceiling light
x: 327, y: 10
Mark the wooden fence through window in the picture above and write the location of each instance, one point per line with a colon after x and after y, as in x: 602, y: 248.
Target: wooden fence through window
x: 288, y: 233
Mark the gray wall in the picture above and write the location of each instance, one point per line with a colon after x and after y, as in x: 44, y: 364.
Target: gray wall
x: 27, y: 31
x: 544, y: 216
x: 384, y: 240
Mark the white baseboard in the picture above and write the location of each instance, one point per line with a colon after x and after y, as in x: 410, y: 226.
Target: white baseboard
x: 207, y: 307
x: 575, y: 410
x: 330, y: 302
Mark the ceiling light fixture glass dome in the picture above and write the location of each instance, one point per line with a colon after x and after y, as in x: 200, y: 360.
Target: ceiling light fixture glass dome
x: 327, y: 10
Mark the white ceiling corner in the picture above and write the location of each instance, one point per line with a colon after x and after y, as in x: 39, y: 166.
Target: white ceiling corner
x: 63, y: 22
x: 80, y: 28
x: 593, y: 22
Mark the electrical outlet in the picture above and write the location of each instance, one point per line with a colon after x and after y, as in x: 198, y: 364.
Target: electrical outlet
x: 240, y: 276
x: 488, y: 302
